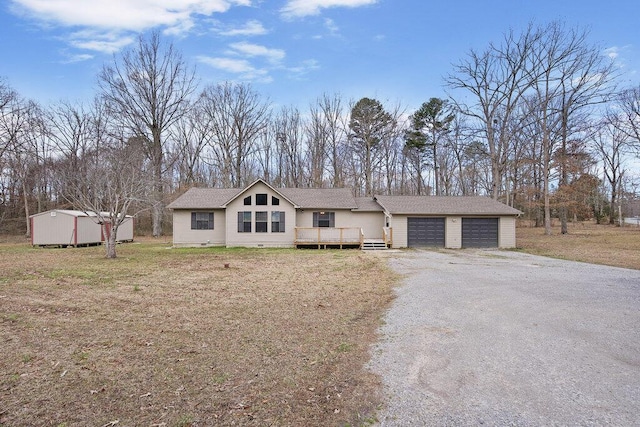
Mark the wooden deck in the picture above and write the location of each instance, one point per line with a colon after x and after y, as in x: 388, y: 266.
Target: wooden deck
x: 340, y: 237
x: 323, y: 237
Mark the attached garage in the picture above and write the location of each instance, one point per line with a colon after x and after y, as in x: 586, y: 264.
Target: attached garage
x: 449, y: 222
x: 479, y: 232
x: 425, y: 232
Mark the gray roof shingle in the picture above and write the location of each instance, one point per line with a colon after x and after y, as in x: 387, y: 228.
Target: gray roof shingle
x: 321, y: 198
x: 444, y: 205
x: 204, y: 198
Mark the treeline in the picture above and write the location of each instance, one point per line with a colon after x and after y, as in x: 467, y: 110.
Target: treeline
x: 536, y: 120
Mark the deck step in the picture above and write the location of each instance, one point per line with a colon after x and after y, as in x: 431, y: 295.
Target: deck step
x: 373, y: 244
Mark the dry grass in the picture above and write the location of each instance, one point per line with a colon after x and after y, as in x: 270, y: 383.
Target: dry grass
x: 587, y: 242
x: 166, y: 337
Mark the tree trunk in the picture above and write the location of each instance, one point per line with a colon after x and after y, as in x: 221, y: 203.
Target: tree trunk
x: 110, y: 241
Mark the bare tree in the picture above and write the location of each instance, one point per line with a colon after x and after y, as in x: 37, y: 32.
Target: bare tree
x: 327, y: 137
x: 237, y: 117
x: 117, y: 179
x: 148, y: 90
x: 288, y: 130
x: 497, y: 79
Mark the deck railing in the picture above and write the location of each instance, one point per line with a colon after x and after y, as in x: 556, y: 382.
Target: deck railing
x: 323, y: 236
x: 387, y: 236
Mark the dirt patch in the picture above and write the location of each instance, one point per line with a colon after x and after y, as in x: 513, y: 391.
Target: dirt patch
x: 587, y: 242
x: 173, y: 337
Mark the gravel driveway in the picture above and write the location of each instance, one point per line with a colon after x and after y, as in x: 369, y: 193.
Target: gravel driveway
x: 504, y: 338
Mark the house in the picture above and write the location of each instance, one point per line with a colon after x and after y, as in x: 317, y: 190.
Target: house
x: 263, y: 216
x: 61, y: 227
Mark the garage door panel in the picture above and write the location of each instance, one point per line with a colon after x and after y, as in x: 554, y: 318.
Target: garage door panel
x: 479, y: 232
x: 425, y: 232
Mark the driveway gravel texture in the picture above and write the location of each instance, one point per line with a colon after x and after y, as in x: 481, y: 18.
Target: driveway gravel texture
x: 501, y: 338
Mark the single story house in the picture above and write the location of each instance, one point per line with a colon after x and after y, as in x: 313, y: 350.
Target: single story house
x: 263, y: 216
x: 62, y: 227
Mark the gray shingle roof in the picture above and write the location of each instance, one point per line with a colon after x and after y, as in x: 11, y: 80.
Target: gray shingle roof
x: 204, y: 198
x: 444, y: 205
x: 321, y: 198
x: 367, y: 204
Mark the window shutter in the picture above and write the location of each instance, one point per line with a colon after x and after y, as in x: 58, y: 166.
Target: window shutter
x: 315, y: 219
x: 282, y: 222
x: 194, y: 224
x: 332, y: 219
x: 240, y: 222
x: 210, y: 220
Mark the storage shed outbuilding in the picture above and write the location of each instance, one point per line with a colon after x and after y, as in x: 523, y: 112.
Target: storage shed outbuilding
x: 62, y: 227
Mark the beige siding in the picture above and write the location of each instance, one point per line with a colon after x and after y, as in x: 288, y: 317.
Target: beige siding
x: 53, y: 228
x: 183, y: 235
x: 89, y: 231
x: 60, y: 228
x: 507, y: 232
x: 125, y: 230
x: 453, y: 232
x: 399, y: 225
x: 268, y: 239
x: 370, y: 222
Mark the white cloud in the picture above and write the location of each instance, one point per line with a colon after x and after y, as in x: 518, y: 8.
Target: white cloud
x: 331, y: 26
x: 106, y: 25
x: 300, y: 71
x: 228, y: 64
x: 251, y: 28
x: 301, y: 8
x: 106, y: 42
x: 131, y: 15
x: 251, y: 50
x: 241, y: 67
x: 612, y: 52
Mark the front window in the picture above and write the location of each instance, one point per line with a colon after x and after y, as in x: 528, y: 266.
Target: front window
x: 324, y: 219
x: 261, y: 222
x: 202, y: 220
x: 261, y: 199
x: 244, y: 222
x: 277, y: 222
x: 275, y: 201
x: 247, y: 201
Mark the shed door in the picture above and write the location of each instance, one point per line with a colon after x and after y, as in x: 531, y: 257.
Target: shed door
x: 479, y: 232
x: 425, y: 232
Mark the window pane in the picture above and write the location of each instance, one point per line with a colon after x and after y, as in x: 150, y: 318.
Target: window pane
x: 202, y: 220
x: 275, y: 201
x: 261, y: 199
x: 247, y: 216
x: 261, y: 222
x: 247, y: 201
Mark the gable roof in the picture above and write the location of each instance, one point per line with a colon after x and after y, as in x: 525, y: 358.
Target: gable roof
x: 444, y: 205
x: 320, y: 198
x: 204, y: 198
x: 275, y: 190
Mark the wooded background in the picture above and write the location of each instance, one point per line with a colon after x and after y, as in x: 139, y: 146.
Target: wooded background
x: 540, y: 120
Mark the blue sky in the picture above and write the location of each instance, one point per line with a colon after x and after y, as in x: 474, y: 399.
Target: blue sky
x: 291, y: 51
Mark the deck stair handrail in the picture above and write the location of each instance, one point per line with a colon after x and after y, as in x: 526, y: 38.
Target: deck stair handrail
x: 387, y: 236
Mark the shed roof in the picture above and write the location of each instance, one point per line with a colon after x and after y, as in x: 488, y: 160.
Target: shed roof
x: 65, y: 212
x: 204, y: 198
x: 444, y: 205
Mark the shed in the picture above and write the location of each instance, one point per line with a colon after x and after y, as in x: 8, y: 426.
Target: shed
x: 60, y: 227
x: 125, y: 230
